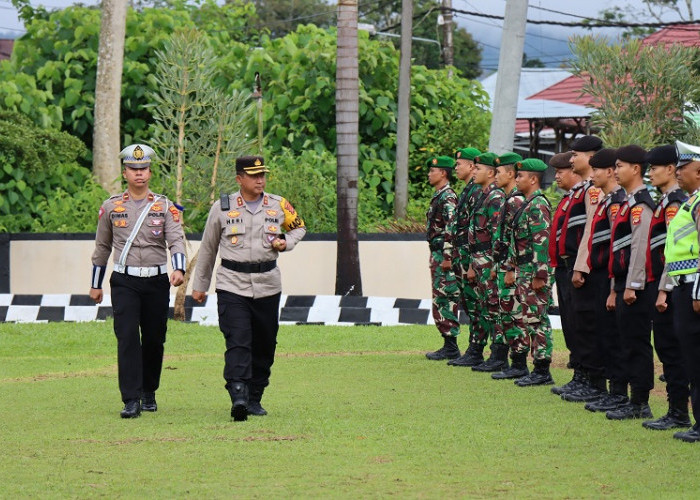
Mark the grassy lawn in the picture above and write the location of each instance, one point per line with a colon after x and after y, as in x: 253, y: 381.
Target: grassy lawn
x: 354, y: 412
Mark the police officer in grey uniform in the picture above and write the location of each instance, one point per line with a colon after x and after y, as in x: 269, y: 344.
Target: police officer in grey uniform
x: 139, y: 225
x: 248, y: 229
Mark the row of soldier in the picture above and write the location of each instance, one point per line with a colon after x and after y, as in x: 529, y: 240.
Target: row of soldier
x: 494, y: 248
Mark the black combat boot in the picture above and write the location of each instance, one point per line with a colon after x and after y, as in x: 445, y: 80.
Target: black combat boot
x: 449, y: 350
x: 148, y: 402
x: 517, y: 369
x: 473, y: 356
x: 593, y: 391
x: 616, y: 398
x: 689, y: 436
x: 254, y: 406
x: 578, y: 381
x: 677, y: 417
x: 132, y: 409
x: 540, y: 375
x: 638, y: 407
x: 239, y: 399
x: 497, y: 362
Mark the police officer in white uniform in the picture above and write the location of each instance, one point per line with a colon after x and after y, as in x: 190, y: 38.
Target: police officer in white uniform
x: 139, y: 225
x: 248, y: 229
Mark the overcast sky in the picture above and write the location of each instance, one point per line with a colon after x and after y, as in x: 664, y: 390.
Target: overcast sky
x: 548, y: 43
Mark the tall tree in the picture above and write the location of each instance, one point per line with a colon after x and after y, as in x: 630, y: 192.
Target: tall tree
x: 283, y: 16
x: 108, y: 86
x: 347, y: 277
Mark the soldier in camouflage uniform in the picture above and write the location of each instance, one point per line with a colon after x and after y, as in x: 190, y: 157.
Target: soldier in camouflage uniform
x: 445, y: 287
x: 530, y: 242
x: 460, y: 252
x: 481, y: 241
x: 506, y: 325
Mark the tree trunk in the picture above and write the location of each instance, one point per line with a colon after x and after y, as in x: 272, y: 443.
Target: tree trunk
x: 110, y: 61
x: 347, y: 277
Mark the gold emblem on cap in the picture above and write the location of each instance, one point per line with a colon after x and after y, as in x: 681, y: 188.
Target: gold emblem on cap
x: 138, y: 153
x: 257, y: 162
x: 434, y: 161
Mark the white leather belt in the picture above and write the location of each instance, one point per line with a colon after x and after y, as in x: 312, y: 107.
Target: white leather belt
x: 141, y: 272
x: 684, y: 278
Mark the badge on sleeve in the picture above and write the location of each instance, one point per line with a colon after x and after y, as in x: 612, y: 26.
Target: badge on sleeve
x: 101, y: 212
x: 175, y: 213
x: 636, y: 215
x: 670, y: 214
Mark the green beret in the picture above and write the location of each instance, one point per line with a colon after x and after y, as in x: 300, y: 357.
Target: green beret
x: 509, y: 159
x: 488, y: 159
x: 467, y: 154
x: 429, y: 162
x: 532, y: 165
x: 441, y: 162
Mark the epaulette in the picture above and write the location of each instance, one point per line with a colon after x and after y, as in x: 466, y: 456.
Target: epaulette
x: 643, y: 196
x: 225, y: 202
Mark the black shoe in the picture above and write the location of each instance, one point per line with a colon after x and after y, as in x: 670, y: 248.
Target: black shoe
x: 491, y: 365
x: 674, y: 419
x: 607, y: 403
x: 255, y: 408
x: 585, y: 394
x: 629, y: 411
x: 148, y: 402
x: 239, y: 397
x: 576, y: 383
x: 132, y: 409
x: 689, y: 436
x: 511, y: 372
x: 472, y: 357
x: 535, y: 378
x: 447, y: 351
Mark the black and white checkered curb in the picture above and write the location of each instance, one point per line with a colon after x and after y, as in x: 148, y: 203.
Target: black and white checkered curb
x: 294, y: 309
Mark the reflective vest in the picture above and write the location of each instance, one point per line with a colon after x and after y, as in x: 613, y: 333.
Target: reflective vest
x: 657, y: 232
x: 682, y: 240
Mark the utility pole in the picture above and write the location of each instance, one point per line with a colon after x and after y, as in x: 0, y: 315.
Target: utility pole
x: 403, y: 111
x: 510, y: 60
x: 447, y: 29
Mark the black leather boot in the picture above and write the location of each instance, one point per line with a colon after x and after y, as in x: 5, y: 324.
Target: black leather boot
x: 578, y: 381
x: 497, y: 361
x: 677, y: 417
x: 254, y: 406
x: 517, y: 369
x: 616, y: 398
x: 473, y: 356
x: 132, y: 409
x: 148, y: 402
x: 449, y: 350
x: 593, y: 391
x: 689, y: 436
x: 239, y: 399
x: 540, y: 375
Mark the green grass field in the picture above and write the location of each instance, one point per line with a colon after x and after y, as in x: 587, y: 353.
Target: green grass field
x: 354, y: 412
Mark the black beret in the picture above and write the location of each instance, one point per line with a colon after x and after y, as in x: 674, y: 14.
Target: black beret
x: 662, y: 155
x: 632, y: 154
x: 605, y: 158
x: 586, y: 143
x: 561, y: 160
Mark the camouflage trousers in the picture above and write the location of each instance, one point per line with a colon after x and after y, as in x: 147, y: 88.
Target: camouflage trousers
x: 532, y: 315
x: 507, y: 326
x: 488, y: 302
x: 468, y: 298
x: 445, y: 297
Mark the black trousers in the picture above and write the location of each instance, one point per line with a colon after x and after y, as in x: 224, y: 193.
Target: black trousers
x: 687, y: 326
x: 586, y: 335
x: 609, y: 344
x: 250, y: 329
x: 669, y: 350
x: 562, y: 277
x: 634, y: 323
x: 140, y: 309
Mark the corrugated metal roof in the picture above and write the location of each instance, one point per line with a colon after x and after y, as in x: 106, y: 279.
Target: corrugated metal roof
x: 542, y: 108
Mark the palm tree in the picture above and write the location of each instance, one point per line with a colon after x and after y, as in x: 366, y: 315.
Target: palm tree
x: 347, y: 275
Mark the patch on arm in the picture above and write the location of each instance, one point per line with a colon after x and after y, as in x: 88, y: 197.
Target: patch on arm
x: 291, y: 218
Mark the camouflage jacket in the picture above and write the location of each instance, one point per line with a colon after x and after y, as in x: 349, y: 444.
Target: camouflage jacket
x: 439, y: 221
x: 530, y: 238
x: 482, y: 224
x: 503, y: 234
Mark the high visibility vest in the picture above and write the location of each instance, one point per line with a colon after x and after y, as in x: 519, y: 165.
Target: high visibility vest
x: 681, y: 250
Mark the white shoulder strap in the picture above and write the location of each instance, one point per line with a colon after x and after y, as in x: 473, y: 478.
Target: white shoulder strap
x: 135, y: 231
